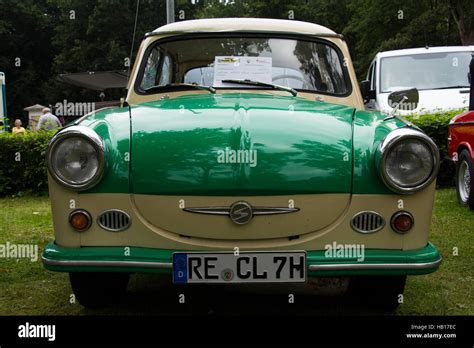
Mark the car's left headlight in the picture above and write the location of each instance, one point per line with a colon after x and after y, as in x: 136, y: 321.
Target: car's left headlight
x: 75, y: 157
x: 408, y: 160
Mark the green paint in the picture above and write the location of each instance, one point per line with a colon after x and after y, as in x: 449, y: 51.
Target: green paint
x: 113, y: 126
x: 301, y: 146
x: 54, y: 252
x: 369, y: 130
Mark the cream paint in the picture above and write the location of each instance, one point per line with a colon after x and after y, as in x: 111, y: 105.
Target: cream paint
x: 166, y: 214
x: 143, y: 234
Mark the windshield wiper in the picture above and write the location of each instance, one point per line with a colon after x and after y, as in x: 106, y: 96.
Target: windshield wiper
x: 190, y: 85
x: 449, y: 87
x: 263, y: 84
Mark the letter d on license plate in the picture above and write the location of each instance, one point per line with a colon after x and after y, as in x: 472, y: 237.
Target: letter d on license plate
x: 252, y: 267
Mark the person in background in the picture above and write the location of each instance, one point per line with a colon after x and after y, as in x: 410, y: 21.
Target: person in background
x: 18, y: 129
x: 48, y: 121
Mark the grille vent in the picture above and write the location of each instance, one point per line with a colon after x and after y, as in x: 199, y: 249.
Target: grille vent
x: 367, y: 222
x: 114, y: 220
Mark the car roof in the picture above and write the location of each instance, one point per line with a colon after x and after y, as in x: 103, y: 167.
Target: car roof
x: 244, y: 25
x: 422, y: 50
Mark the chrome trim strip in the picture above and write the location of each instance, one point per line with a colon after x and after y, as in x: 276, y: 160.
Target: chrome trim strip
x: 93, y: 263
x: 358, y: 266
x: 461, y: 123
x: 272, y: 211
x: 209, y: 210
x: 169, y: 265
x: 255, y: 210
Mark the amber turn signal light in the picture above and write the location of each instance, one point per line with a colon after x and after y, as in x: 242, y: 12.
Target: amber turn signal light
x: 402, y: 222
x: 80, y: 220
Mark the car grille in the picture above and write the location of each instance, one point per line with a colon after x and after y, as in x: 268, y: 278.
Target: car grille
x: 367, y: 222
x: 114, y: 220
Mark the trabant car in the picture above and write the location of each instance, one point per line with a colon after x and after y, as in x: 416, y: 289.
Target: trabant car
x: 243, y: 154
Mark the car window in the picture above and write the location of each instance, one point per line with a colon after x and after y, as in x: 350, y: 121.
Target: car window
x: 151, y: 69
x: 373, y: 81
x: 425, y: 71
x: 204, y: 75
x: 369, y: 74
x: 166, y: 71
x: 301, y: 64
x: 281, y: 76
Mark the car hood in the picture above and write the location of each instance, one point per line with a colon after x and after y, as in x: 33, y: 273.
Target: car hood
x: 240, y: 144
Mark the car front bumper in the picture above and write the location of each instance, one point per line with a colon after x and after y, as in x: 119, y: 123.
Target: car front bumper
x: 140, y: 260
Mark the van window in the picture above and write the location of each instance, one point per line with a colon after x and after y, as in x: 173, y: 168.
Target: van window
x: 425, y: 71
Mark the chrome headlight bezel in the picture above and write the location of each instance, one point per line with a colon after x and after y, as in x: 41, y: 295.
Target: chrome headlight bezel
x: 94, y: 140
x: 393, y: 139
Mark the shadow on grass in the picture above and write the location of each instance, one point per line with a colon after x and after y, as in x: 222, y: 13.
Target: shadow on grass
x: 156, y: 295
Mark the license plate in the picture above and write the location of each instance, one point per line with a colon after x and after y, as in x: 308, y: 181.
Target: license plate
x: 252, y: 267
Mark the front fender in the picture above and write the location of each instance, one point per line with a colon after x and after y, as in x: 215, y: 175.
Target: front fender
x: 369, y: 129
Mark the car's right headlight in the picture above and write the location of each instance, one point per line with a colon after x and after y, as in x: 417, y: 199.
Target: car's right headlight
x: 408, y: 160
x: 75, y: 157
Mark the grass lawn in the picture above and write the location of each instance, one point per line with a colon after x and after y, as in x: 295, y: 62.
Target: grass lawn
x: 26, y: 288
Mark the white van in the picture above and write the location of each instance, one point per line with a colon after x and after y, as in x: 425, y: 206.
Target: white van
x: 439, y: 73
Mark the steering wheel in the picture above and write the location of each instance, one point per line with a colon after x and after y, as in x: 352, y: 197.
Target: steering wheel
x: 287, y: 76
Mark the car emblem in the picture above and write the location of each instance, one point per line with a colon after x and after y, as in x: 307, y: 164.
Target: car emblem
x: 241, y: 212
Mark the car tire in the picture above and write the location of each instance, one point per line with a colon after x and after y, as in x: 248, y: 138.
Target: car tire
x: 465, y: 179
x: 381, y: 292
x: 94, y: 290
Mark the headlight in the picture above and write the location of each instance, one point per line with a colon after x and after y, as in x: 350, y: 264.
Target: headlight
x: 76, y: 157
x: 409, y: 160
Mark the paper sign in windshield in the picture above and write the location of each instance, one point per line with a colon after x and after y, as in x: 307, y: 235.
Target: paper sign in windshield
x: 242, y: 68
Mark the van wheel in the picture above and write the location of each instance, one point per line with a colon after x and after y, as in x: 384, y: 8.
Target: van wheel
x: 465, y: 179
x: 382, y: 292
x: 95, y: 290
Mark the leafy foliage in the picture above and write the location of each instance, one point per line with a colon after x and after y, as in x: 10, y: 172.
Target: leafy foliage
x: 436, y: 126
x: 52, y: 37
x: 23, y: 166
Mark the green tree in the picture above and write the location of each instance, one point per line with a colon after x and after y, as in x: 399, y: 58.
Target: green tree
x: 463, y: 13
x: 380, y: 25
x: 26, y: 52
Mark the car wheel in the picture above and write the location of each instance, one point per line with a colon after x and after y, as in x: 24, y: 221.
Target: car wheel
x: 382, y: 292
x: 465, y: 179
x: 95, y: 290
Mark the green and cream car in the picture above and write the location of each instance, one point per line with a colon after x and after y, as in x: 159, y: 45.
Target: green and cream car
x: 243, y: 154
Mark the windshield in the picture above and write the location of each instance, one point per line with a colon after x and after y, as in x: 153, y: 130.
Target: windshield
x: 425, y: 71
x: 304, y: 65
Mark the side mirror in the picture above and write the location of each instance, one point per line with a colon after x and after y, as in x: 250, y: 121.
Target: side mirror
x: 367, y: 94
x: 406, y: 99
